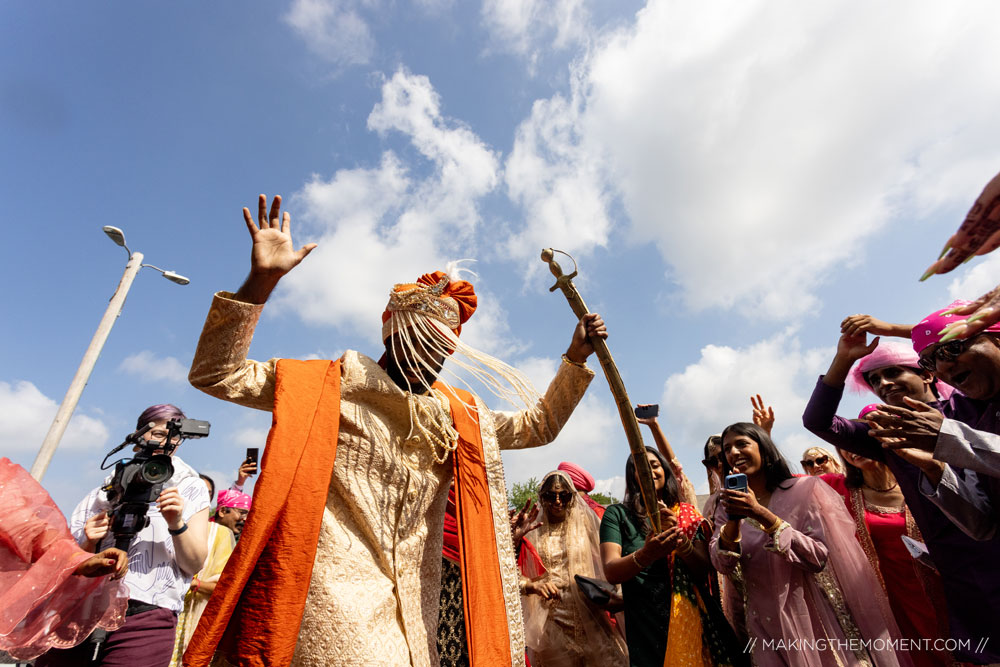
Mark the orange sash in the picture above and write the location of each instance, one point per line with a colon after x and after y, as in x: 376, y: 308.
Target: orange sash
x: 254, y: 615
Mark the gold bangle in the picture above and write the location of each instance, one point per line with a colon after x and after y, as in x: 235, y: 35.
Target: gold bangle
x: 770, y: 530
x: 636, y: 561
x: 579, y: 364
x: 735, y: 542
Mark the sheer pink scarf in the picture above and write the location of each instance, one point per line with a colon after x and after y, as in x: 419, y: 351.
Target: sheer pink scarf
x: 43, y: 604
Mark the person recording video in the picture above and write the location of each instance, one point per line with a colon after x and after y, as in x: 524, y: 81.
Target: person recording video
x: 164, y: 553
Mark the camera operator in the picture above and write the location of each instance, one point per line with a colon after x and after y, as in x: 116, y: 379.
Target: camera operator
x: 163, y: 557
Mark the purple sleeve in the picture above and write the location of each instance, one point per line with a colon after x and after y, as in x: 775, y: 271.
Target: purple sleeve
x: 820, y: 417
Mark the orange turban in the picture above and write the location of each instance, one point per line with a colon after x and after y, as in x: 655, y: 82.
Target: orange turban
x: 434, y: 295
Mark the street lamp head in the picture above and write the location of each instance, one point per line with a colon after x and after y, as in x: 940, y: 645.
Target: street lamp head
x: 175, y: 278
x: 115, y: 235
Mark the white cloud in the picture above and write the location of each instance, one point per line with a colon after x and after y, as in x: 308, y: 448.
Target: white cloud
x: 151, y: 368
x: 393, y: 222
x: 592, y: 438
x: 333, y: 30
x: 28, y: 413
x: 715, y: 391
x: 613, y: 486
x: 527, y: 27
x: 555, y: 177
x: 758, y: 143
x: 980, y: 278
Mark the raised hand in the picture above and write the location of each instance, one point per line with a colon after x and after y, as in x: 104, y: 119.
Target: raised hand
x: 978, y: 234
x: 524, y: 521
x: 855, y: 325
x: 852, y: 347
x: 95, y: 530
x: 273, y: 254
x: 763, y: 417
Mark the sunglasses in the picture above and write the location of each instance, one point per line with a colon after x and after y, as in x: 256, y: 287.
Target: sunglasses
x: 551, y: 497
x: 818, y: 461
x: 712, y: 461
x: 944, y: 352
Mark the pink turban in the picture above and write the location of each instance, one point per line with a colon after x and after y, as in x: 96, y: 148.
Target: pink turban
x: 888, y: 353
x: 582, y: 480
x: 871, y: 407
x: 235, y: 499
x: 927, y: 331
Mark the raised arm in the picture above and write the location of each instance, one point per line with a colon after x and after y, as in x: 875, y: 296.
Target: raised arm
x: 220, y: 367
x: 541, y: 424
x: 273, y: 254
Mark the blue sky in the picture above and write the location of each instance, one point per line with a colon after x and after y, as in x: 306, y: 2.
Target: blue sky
x: 733, y: 179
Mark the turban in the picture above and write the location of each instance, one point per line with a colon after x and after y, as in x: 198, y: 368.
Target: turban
x: 889, y: 353
x: 582, y: 480
x: 234, y: 499
x: 434, y: 295
x: 871, y: 407
x: 927, y: 331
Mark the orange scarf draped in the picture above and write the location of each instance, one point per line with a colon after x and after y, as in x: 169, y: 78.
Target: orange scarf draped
x: 254, y: 615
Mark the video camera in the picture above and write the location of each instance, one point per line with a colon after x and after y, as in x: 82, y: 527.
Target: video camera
x: 138, y: 481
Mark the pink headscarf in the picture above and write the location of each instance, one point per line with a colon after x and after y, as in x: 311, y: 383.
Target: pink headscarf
x: 928, y: 330
x: 582, y: 480
x: 235, y: 499
x: 888, y: 353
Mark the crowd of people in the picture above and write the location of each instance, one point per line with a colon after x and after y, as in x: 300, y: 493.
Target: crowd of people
x: 380, y: 533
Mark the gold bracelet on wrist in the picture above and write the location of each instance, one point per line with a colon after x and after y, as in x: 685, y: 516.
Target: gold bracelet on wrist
x: 636, y: 561
x: 739, y: 538
x: 580, y: 364
x: 770, y: 530
x: 686, y: 549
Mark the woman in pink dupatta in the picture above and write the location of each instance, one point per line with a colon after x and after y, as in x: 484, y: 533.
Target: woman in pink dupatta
x: 810, y: 596
x: 53, y: 594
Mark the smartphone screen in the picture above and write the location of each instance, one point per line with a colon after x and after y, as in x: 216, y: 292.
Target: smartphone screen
x: 252, y: 453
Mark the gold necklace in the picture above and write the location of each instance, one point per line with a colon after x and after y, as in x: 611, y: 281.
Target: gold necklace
x: 439, y: 419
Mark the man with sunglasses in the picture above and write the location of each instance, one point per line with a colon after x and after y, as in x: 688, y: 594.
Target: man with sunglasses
x: 962, y: 432
x: 967, y: 566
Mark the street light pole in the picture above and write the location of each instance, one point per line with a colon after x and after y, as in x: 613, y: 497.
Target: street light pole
x: 76, y: 387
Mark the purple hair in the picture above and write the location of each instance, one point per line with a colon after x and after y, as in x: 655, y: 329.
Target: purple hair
x: 156, y: 413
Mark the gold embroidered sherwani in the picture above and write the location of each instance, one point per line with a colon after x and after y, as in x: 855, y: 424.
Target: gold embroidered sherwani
x: 373, y: 598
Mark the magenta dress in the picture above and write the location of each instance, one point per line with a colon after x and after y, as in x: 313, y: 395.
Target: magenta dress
x: 880, y: 534
x: 43, y: 604
x: 808, y: 584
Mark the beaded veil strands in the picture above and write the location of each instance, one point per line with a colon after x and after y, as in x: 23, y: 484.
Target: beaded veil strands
x: 416, y: 315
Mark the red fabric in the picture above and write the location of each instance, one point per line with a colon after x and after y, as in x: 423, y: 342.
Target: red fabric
x: 253, y: 617
x: 910, y: 605
x: 450, y: 547
x: 529, y: 560
x: 598, y: 508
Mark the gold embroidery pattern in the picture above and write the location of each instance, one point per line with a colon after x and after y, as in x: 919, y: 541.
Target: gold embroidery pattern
x: 828, y: 583
x: 858, y: 505
x: 509, y: 574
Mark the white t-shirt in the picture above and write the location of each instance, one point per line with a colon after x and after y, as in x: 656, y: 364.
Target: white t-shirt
x: 153, y: 574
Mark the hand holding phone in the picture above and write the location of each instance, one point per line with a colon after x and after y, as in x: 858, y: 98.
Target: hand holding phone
x: 647, y: 411
x: 735, y: 482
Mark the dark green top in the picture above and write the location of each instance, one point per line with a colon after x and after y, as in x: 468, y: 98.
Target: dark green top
x: 647, y: 595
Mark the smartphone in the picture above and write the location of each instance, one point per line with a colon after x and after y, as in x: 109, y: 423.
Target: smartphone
x: 735, y: 482
x: 252, y: 453
x: 647, y: 411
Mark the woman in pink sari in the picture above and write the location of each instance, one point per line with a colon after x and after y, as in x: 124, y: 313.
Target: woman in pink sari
x: 53, y: 594
x: 787, y: 544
